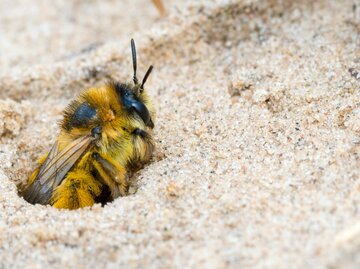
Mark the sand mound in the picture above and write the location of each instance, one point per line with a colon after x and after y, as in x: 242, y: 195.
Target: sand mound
x: 258, y: 133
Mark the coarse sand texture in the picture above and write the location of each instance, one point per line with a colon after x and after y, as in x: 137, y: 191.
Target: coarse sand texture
x: 257, y: 161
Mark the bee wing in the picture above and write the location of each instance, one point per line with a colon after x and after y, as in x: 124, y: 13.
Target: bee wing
x: 52, y: 153
x: 54, y: 169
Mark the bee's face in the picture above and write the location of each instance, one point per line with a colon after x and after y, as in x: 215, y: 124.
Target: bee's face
x: 134, y: 103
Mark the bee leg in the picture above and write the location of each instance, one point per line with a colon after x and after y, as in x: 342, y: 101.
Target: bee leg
x: 113, y: 174
x: 78, y: 189
x: 143, y: 145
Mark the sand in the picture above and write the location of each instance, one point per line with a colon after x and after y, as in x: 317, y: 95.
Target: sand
x: 258, y: 133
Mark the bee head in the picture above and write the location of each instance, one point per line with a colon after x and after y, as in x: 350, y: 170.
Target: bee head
x: 133, y: 98
x: 135, y: 102
x: 136, y: 99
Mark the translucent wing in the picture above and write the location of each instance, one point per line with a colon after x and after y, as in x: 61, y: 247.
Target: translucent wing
x: 54, y: 169
x: 52, y: 153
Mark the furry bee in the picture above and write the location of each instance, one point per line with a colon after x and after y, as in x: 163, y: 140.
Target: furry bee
x: 104, y: 134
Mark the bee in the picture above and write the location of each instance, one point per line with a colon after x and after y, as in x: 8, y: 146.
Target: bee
x: 104, y: 134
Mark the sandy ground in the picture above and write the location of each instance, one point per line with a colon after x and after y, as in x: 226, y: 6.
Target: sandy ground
x: 258, y: 133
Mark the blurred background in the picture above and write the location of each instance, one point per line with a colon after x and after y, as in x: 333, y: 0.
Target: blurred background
x: 42, y: 32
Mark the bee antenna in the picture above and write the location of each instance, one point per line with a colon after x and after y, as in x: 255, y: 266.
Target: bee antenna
x: 146, y: 77
x: 133, y: 52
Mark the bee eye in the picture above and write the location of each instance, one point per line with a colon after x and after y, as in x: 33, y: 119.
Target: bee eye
x: 131, y: 103
x: 141, y: 110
